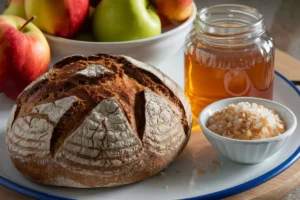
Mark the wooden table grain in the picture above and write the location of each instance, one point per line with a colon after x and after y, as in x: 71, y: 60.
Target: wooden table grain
x: 273, y: 189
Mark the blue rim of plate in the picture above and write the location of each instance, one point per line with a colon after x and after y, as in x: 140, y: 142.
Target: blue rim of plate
x: 216, y: 195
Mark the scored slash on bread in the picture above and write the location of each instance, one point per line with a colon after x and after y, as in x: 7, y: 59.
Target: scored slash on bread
x: 98, y: 121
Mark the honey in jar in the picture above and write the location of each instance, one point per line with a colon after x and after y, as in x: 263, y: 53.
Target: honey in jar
x: 228, y: 54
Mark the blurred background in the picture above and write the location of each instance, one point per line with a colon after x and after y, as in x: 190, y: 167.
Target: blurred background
x: 282, y: 18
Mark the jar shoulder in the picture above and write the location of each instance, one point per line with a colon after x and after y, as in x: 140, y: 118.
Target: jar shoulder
x: 264, y: 44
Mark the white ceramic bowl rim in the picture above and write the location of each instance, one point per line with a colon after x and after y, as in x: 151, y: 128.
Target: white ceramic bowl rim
x: 163, y: 35
x: 287, y: 133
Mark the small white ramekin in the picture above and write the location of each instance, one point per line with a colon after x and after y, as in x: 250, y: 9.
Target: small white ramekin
x: 248, y: 151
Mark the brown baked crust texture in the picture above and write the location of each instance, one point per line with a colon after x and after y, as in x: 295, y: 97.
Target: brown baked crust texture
x: 98, y: 121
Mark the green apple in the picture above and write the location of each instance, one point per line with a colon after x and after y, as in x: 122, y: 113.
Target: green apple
x: 16, y: 7
x: 123, y: 20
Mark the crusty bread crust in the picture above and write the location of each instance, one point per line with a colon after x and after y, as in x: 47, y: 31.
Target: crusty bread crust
x: 98, y: 121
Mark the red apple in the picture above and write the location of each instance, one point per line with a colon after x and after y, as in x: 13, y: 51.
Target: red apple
x: 178, y: 10
x: 25, y: 54
x: 86, y: 31
x: 58, y: 17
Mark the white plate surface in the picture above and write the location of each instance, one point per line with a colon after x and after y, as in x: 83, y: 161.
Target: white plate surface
x: 183, y: 178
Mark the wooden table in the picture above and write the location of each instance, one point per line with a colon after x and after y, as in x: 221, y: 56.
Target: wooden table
x: 273, y: 189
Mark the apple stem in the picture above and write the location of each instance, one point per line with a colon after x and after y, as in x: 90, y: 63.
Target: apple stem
x: 27, y: 22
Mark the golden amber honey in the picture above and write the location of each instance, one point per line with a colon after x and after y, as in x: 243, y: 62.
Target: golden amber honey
x: 227, y: 54
x: 212, y: 74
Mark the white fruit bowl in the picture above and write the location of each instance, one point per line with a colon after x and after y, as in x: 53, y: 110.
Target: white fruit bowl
x: 150, y: 50
x: 248, y: 151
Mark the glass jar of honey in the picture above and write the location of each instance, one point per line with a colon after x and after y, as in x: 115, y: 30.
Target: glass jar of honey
x: 228, y: 54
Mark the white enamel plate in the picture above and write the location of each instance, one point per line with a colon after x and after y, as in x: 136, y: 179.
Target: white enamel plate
x: 200, y: 172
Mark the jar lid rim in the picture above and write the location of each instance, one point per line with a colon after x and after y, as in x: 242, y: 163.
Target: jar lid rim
x: 239, y: 19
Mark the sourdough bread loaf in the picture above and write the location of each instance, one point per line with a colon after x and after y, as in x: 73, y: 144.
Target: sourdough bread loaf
x: 98, y: 121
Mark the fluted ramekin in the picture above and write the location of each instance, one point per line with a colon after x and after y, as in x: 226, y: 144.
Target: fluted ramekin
x: 248, y: 151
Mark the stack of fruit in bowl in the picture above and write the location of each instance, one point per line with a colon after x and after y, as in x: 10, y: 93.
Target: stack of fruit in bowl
x: 148, y: 30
